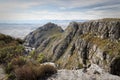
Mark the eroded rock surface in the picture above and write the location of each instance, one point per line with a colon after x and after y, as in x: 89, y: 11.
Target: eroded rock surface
x: 93, y: 73
x: 81, y: 44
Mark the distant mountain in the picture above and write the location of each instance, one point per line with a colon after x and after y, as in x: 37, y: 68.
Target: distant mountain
x: 38, y: 21
x: 81, y: 44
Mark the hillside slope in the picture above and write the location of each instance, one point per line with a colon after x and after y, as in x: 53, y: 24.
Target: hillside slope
x: 82, y: 44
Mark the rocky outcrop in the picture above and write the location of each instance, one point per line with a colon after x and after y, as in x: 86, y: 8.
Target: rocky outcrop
x: 69, y: 33
x: 35, y: 38
x: 93, y: 73
x: 82, y: 44
x: 104, y: 28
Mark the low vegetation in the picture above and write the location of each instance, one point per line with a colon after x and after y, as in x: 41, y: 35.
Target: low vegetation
x: 18, y: 66
x: 34, y: 72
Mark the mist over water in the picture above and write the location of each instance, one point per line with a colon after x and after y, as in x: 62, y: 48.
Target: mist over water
x: 17, y: 30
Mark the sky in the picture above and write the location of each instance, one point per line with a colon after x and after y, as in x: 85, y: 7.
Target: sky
x: 26, y: 10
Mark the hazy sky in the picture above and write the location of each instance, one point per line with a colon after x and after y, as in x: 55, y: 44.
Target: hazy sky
x: 58, y: 9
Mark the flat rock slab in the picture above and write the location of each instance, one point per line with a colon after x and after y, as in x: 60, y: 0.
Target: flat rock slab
x: 80, y: 75
x: 94, y: 72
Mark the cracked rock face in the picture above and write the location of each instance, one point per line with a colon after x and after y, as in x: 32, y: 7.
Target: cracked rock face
x: 81, y: 44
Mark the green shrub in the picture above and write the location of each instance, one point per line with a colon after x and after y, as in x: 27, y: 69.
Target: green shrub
x: 15, y: 63
x: 8, y: 53
x: 20, y: 61
x: 19, y: 49
x: 8, y: 68
x: 41, y: 58
x: 11, y: 76
x: 32, y: 54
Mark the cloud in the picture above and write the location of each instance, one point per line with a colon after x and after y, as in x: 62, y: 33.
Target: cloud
x: 13, y: 6
x: 58, y: 9
x: 43, y: 15
x: 108, y: 7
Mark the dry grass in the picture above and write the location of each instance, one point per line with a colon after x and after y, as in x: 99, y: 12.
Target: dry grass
x: 34, y: 72
x: 20, y: 61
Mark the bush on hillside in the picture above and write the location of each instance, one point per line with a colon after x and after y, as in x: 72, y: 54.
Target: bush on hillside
x: 34, y: 72
x: 8, y: 53
x: 20, y: 61
x: 41, y: 58
x: 15, y: 63
x: 47, y: 70
x: 8, y: 68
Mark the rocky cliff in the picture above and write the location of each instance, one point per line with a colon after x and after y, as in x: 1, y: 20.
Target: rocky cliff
x: 81, y: 44
x: 43, y: 33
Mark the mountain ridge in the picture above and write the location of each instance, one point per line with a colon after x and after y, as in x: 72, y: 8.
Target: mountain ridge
x: 45, y: 31
x: 84, y: 43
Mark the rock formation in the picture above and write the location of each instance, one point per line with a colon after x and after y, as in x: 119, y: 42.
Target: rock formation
x: 81, y: 44
x: 42, y: 34
x: 93, y: 73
